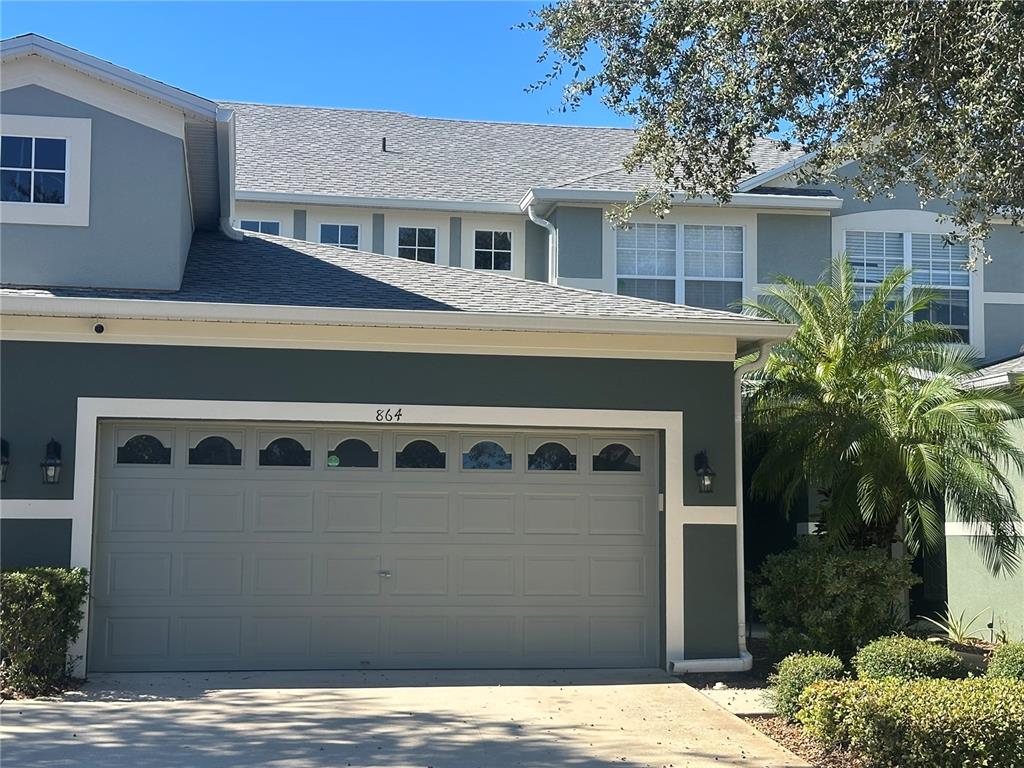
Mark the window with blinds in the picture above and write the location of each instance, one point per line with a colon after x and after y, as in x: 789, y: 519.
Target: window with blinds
x: 713, y: 266
x: 645, y: 261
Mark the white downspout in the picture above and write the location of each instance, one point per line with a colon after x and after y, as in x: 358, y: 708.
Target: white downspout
x: 753, y: 365
x: 552, y: 243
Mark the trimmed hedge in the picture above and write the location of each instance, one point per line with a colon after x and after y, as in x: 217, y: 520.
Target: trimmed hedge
x: 1007, y: 660
x: 907, y: 658
x: 969, y: 723
x: 794, y: 673
x: 40, y: 614
x: 817, y: 598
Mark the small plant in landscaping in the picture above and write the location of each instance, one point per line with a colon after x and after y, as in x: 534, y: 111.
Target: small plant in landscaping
x: 40, y: 616
x: 818, y: 598
x: 955, y: 629
x: 794, y: 673
x: 970, y: 723
x: 906, y: 658
x: 1007, y: 661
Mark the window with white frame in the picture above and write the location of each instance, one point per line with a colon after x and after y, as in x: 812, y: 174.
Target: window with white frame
x: 937, y: 267
x: 492, y: 249
x: 264, y: 227
x: 712, y: 266
x: 417, y: 244
x: 645, y: 261
x: 33, y: 169
x: 342, y: 235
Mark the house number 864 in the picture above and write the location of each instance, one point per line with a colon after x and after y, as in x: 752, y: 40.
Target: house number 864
x: 386, y: 414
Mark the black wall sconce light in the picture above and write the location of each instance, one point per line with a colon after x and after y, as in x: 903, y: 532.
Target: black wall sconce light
x: 705, y: 474
x: 5, y: 459
x: 51, y: 464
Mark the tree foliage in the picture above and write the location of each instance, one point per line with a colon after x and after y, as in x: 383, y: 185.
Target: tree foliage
x: 930, y: 93
x: 869, y: 409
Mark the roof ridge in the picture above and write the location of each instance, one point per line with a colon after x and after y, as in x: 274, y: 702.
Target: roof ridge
x: 586, y: 176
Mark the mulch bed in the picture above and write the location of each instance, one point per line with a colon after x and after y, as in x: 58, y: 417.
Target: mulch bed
x: 792, y: 737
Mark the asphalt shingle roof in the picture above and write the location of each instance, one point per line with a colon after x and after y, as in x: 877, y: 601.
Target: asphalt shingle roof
x: 997, y: 374
x: 270, y: 270
x: 319, y: 151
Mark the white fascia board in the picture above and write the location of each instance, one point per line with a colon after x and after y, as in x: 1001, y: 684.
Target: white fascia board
x: 553, y: 196
x: 350, y: 201
x: 26, y: 45
x: 775, y: 173
x: 743, y: 330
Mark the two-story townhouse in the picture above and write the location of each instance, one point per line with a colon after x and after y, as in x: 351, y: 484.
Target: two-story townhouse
x: 279, y: 454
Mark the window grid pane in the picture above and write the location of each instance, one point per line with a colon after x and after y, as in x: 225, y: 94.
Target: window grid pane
x: 342, y: 235
x: 493, y: 249
x: 33, y: 170
x: 417, y: 244
x: 874, y: 255
x: 644, y: 252
x: 714, y: 254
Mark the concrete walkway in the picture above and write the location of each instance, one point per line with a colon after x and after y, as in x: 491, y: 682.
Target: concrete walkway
x: 441, y: 719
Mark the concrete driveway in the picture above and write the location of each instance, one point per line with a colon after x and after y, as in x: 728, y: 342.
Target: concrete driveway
x: 440, y: 719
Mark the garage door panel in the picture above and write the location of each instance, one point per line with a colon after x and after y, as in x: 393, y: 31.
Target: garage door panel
x: 250, y: 567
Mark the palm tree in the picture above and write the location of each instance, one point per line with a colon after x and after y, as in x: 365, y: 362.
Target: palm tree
x: 867, y: 407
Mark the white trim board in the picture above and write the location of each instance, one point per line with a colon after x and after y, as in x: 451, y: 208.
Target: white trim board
x: 91, y: 410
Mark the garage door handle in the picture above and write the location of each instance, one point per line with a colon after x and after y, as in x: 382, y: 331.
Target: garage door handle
x: 384, y: 574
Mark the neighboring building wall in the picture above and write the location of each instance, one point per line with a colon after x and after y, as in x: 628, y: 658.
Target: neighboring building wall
x: 972, y: 587
x: 140, y: 223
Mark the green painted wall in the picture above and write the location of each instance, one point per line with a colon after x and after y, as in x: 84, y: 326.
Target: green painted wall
x: 973, y: 588
x: 42, y: 381
x: 709, y: 592
x: 26, y: 543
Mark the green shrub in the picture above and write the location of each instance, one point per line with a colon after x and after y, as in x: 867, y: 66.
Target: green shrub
x: 1007, y: 661
x: 813, y: 598
x: 796, y: 672
x: 907, y: 658
x: 969, y: 723
x: 40, y: 614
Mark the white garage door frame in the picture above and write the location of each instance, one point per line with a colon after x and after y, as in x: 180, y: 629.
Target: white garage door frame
x: 80, y: 508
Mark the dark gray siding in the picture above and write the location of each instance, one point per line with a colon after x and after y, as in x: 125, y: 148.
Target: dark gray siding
x: 42, y: 381
x: 1004, y: 330
x: 299, y: 224
x: 710, y: 611
x: 1005, y: 274
x: 31, y: 542
x: 536, y: 252
x: 797, y: 246
x: 579, y: 241
x: 377, y: 240
x: 138, y: 235
x: 455, y: 241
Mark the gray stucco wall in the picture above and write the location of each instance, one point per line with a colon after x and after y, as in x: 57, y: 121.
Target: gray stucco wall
x: 1004, y: 330
x: 455, y: 241
x: 299, y: 224
x: 377, y: 239
x: 1005, y: 274
x: 904, y: 198
x: 788, y: 244
x: 579, y: 241
x: 42, y: 381
x: 138, y: 234
x: 710, y: 610
x: 536, y: 252
x: 35, y: 542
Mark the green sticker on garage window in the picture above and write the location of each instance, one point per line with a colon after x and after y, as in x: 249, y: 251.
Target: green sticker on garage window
x: 333, y: 460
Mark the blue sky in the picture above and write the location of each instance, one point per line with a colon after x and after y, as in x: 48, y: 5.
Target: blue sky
x: 453, y: 59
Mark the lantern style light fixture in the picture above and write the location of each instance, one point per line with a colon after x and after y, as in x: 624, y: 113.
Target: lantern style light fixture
x: 51, y: 464
x: 5, y: 459
x: 705, y: 474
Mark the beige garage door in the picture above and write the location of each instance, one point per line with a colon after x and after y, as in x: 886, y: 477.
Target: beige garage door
x: 267, y: 546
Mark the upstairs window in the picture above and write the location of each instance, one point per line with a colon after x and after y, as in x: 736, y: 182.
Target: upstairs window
x: 492, y: 249
x: 645, y: 261
x: 263, y: 227
x: 712, y: 266
x: 417, y: 244
x: 937, y: 267
x: 342, y: 235
x: 33, y: 170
